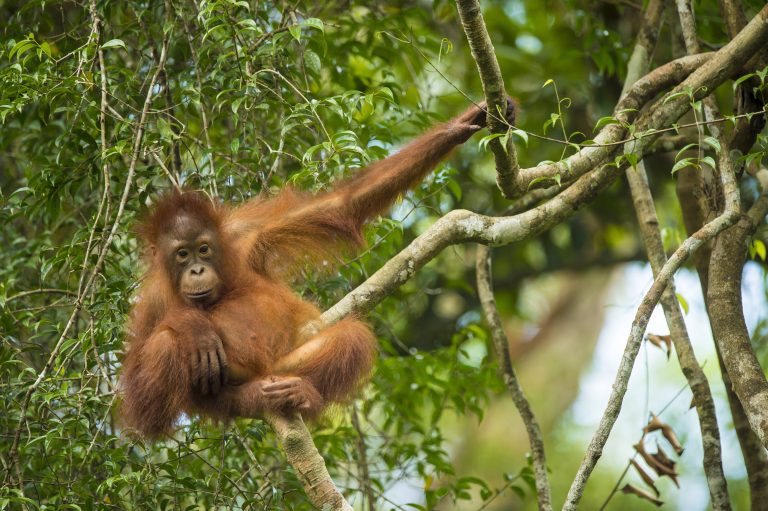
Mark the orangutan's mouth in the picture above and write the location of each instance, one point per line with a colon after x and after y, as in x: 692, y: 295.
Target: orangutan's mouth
x: 199, y: 294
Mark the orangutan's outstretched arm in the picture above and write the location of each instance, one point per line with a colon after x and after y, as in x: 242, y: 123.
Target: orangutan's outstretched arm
x: 294, y: 225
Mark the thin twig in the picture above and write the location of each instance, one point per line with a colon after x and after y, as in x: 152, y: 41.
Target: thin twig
x: 13, y: 451
x: 22, y: 294
x: 171, y: 175
x: 362, y: 462
x: 203, y: 114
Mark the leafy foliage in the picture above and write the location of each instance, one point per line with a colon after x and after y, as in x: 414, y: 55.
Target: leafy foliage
x: 252, y: 96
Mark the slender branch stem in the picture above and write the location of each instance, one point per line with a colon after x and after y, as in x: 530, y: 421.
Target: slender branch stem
x: 507, y: 371
x: 362, y: 462
x: 13, y: 451
x: 639, y: 324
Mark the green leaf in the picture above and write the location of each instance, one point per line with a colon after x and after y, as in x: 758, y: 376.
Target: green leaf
x: 742, y: 79
x: 684, y: 149
x: 709, y: 161
x: 386, y: 93
x: 675, y: 95
x: 757, y: 248
x: 164, y: 128
x: 752, y: 157
x: 312, y: 61
x: 483, y: 144
x: 713, y: 143
x: 455, y: 189
x: 46, y: 48
x: 683, y: 303
x: 685, y: 162
x: 21, y: 47
x: 604, y: 121
x: 295, y: 31
x: 236, y: 104
x: 522, y: 134
x: 113, y: 43
x: 542, y: 179
x: 314, y: 23
x: 551, y: 122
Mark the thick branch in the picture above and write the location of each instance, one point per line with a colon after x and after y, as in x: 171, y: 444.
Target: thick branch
x: 754, y: 456
x: 501, y: 346
x: 495, y: 96
x: 460, y: 226
x: 733, y: 16
x: 305, y: 459
x: 702, y: 396
x: 728, y: 327
x: 607, y: 142
x: 640, y: 61
x: 725, y: 64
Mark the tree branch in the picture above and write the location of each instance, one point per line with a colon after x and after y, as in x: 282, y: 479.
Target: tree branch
x: 639, y: 324
x: 728, y: 327
x: 310, y: 467
x: 651, y: 235
x: 488, y: 69
x: 507, y: 372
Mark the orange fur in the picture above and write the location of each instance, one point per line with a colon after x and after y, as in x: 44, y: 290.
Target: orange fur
x: 257, y: 317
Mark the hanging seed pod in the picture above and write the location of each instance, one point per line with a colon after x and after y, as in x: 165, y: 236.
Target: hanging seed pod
x: 628, y: 488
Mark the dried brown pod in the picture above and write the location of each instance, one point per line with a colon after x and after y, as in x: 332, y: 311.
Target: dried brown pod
x: 655, y: 424
x: 663, y: 342
x: 647, y: 479
x: 628, y: 488
x: 661, y: 456
x: 658, y: 467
